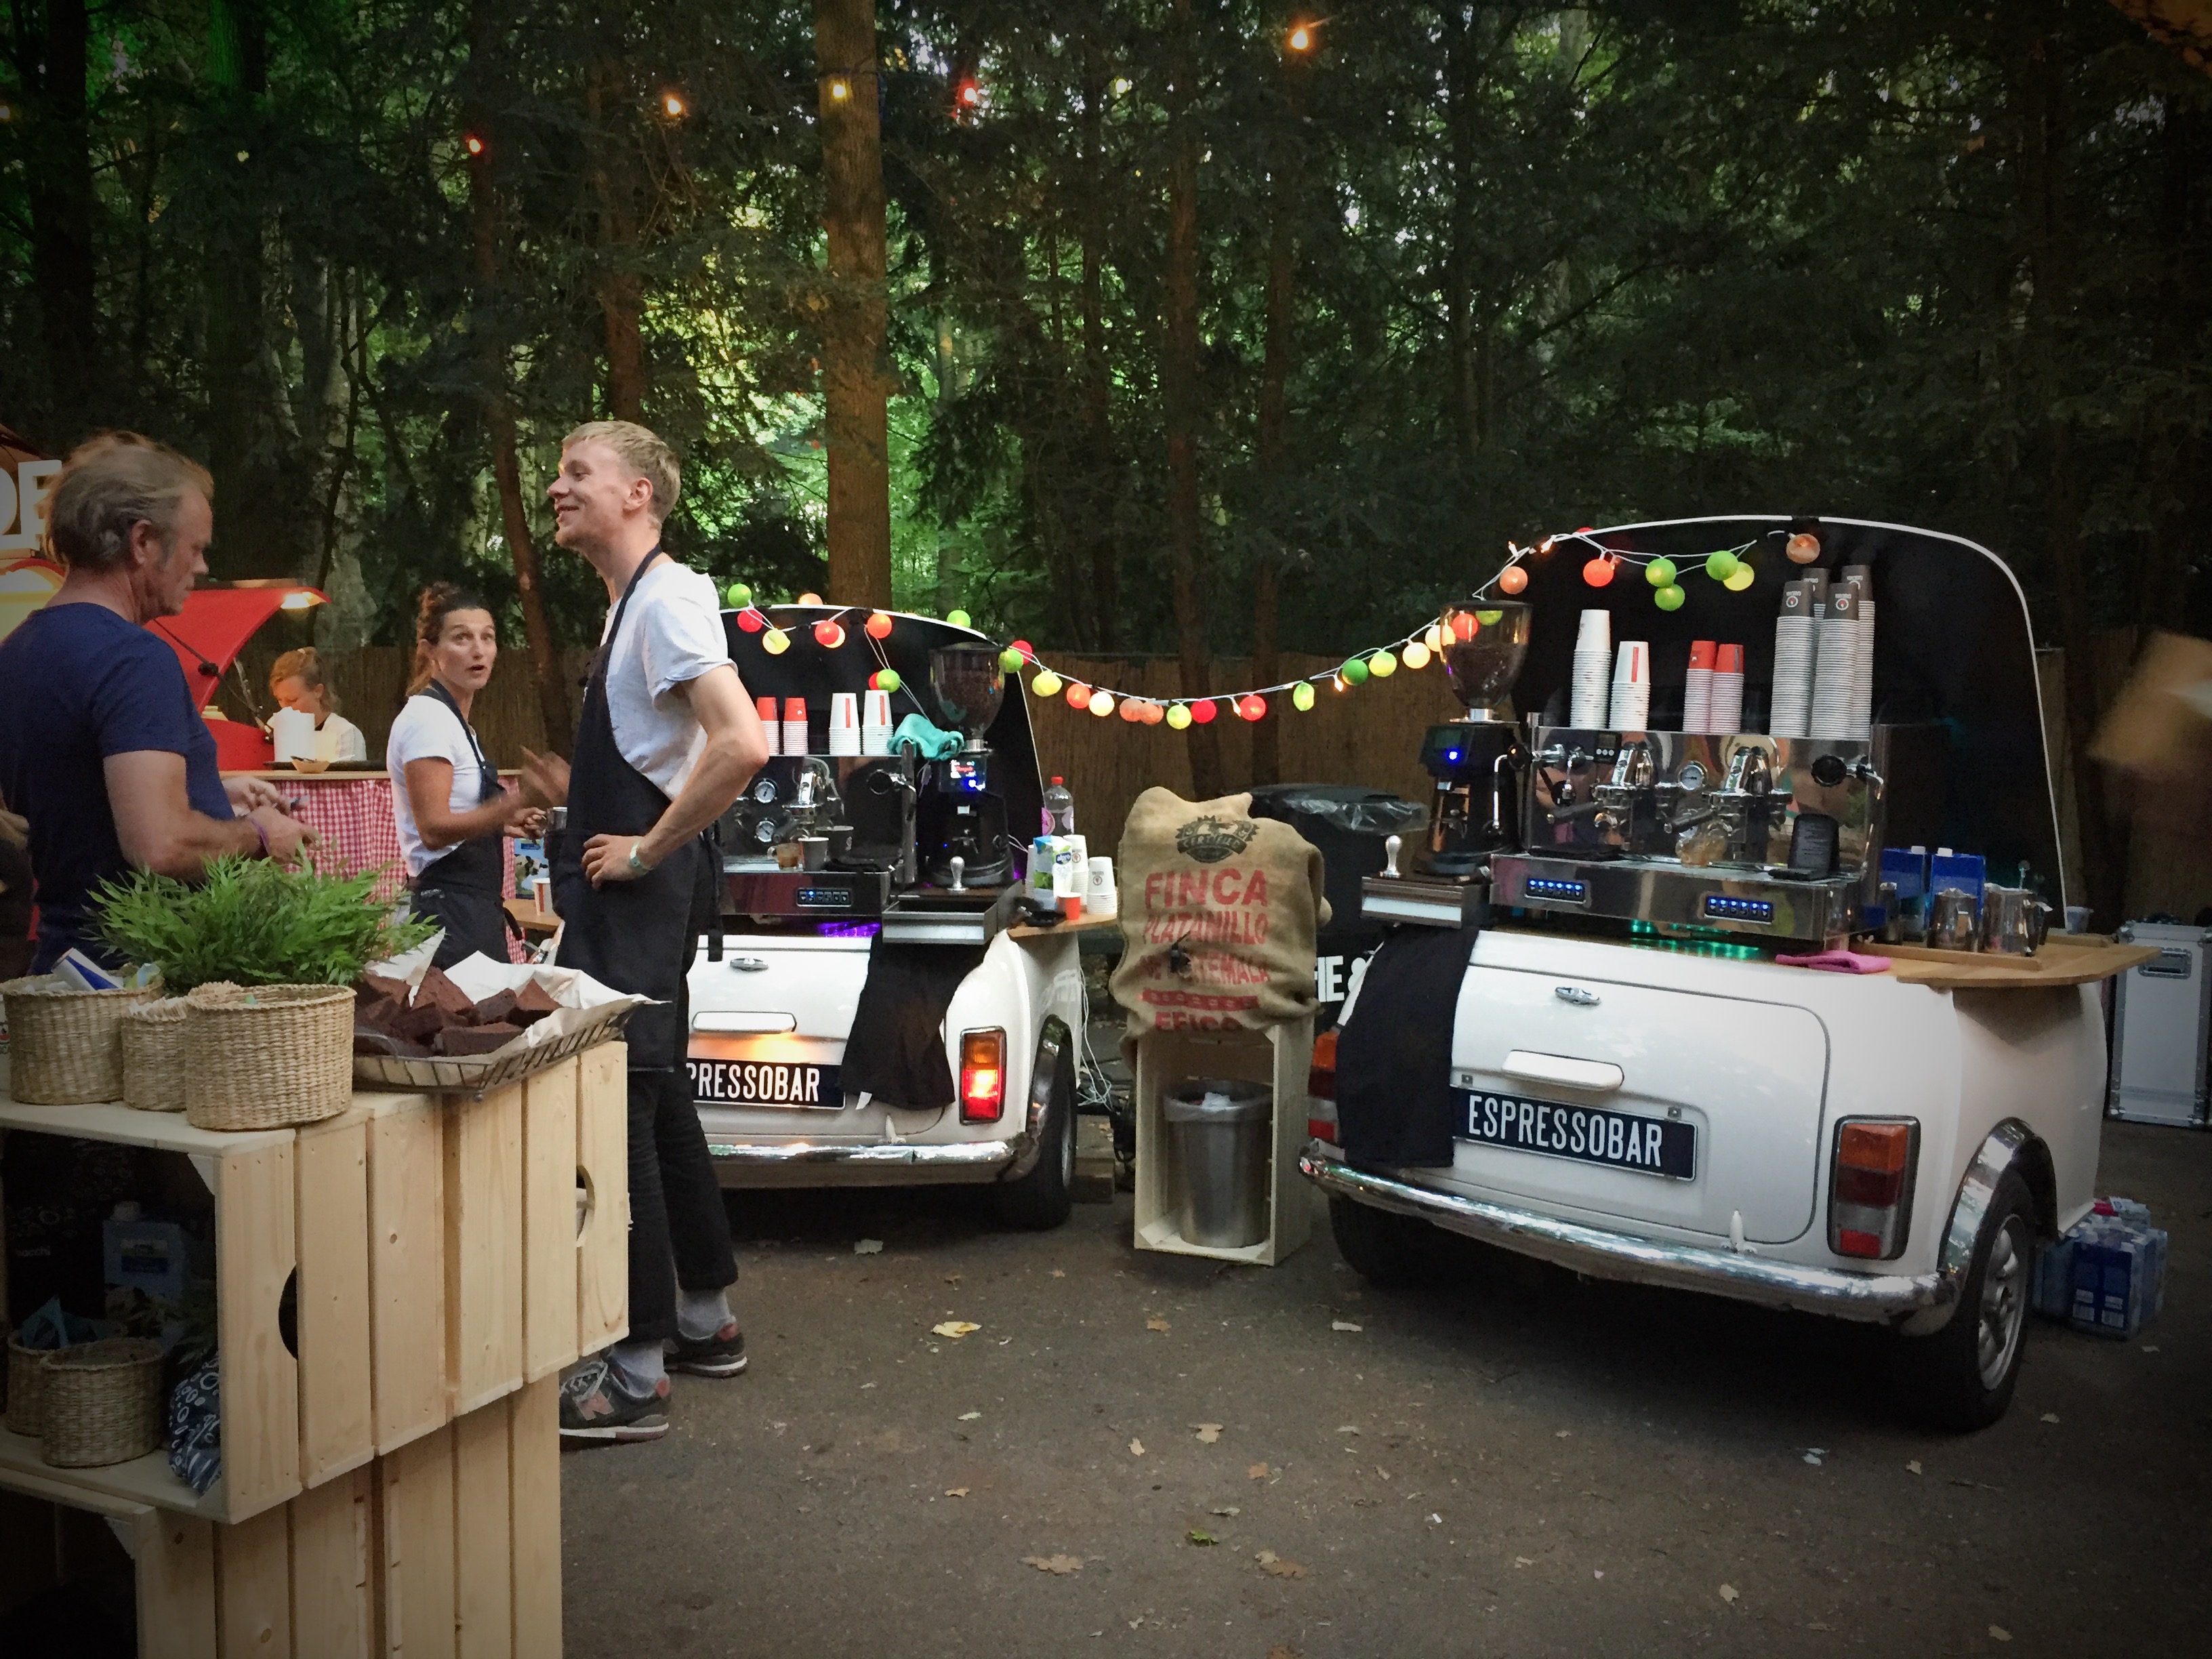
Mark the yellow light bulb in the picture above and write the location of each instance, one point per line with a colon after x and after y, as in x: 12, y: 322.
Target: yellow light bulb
x: 1416, y: 655
x: 775, y: 642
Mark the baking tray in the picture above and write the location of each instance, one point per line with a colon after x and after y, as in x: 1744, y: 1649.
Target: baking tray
x: 476, y: 1074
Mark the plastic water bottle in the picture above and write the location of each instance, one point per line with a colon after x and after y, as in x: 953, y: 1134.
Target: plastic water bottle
x: 1058, y: 810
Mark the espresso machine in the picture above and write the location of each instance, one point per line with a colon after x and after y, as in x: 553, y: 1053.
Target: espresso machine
x: 1477, y: 761
x: 963, y: 819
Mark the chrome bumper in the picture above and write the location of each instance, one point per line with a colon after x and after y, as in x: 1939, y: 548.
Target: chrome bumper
x: 983, y: 1158
x: 1875, y: 1299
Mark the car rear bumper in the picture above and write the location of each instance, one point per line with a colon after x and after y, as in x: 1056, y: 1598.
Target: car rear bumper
x: 789, y: 1163
x: 1874, y: 1298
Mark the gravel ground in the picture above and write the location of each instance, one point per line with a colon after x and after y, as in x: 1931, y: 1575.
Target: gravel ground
x: 1509, y: 1461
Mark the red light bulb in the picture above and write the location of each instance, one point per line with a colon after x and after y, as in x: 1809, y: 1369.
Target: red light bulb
x: 751, y: 621
x: 879, y: 625
x: 1598, y: 572
x: 1203, y: 711
x: 828, y: 634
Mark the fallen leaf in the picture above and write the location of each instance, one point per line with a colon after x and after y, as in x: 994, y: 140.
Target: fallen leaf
x: 1561, y: 1434
x: 952, y: 1278
x: 2050, y: 1417
x: 1728, y: 1593
x: 1257, y: 1472
x: 1344, y: 1325
x: 1598, y: 1572
x: 1157, y: 1323
x: 955, y: 1329
x: 1060, y: 1565
x: 1136, y: 1448
x: 969, y: 1417
x: 1207, y: 1432
x: 868, y: 1246
x: 1282, y: 1653
x: 1282, y: 1569
x: 1522, y: 1561
x: 1999, y: 1633
x: 1814, y: 1459
x: 1201, y: 1538
x: 1057, y: 1273
x: 1226, y: 1509
x: 1914, y: 1465
x: 955, y: 1492
x: 1346, y: 1428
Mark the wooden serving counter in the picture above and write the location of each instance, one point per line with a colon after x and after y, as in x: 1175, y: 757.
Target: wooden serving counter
x: 2065, y: 959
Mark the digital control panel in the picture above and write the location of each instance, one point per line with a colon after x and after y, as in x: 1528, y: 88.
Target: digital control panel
x: 831, y: 897
x: 1556, y: 891
x: 1723, y: 906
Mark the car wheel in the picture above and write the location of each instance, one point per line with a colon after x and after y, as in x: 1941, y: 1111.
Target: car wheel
x: 1962, y: 1377
x: 1386, y: 1249
x: 1042, y: 1198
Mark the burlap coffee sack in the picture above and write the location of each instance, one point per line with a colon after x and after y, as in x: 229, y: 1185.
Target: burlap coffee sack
x: 1219, y: 912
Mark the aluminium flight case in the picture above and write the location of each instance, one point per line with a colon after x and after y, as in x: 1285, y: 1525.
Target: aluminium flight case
x: 2162, y: 1028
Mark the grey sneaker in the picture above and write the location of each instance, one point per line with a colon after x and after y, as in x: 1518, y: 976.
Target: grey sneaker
x: 722, y: 1354
x: 595, y: 1406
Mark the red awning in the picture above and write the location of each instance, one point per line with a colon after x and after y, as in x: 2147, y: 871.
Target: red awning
x: 215, y: 625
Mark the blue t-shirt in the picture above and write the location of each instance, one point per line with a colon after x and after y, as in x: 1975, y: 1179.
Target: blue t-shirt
x: 80, y: 684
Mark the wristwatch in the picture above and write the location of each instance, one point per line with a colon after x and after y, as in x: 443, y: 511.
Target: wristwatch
x: 638, y: 867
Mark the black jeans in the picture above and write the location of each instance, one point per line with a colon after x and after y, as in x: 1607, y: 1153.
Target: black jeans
x: 680, y: 1234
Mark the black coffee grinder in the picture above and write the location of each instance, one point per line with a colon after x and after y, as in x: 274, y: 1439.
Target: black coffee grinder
x: 963, y: 820
x: 1477, y: 759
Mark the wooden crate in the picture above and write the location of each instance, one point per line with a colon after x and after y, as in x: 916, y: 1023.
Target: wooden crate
x: 441, y: 1253
x: 449, y: 1548
x: 1279, y: 1057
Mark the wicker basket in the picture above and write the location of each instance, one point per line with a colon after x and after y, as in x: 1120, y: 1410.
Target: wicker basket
x: 101, y: 1402
x: 65, y: 1046
x: 271, y: 1057
x: 23, y: 1390
x: 154, y: 1055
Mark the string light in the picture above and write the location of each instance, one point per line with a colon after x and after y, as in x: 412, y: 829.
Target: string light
x: 1046, y: 684
x: 1078, y: 696
x: 809, y: 598
x: 878, y: 625
x: 474, y: 145
x: 1802, y: 548
x: 1382, y: 664
x: 1417, y: 654
x: 1660, y: 573
x: 885, y: 680
x: 775, y: 642
x: 839, y: 90
x: 1598, y: 573
x: 1179, y: 717
x: 1300, y: 38
x: 1101, y: 703
x: 1513, y: 578
x: 1302, y: 696
x: 1203, y: 711
x: 737, y: 596
x: 828, y: 634
x: 674, y: 107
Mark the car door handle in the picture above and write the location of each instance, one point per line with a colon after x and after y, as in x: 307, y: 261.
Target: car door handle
x: 732, y: 1022
x: 748, y: 964
x: 1591, y: 1076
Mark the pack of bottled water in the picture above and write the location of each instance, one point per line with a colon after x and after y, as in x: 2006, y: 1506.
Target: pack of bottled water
x: 2107, y: 1276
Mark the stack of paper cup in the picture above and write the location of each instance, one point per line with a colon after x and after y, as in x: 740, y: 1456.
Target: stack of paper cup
x: 1791, y: 708
x: 1586, y: 698
x: 1865, y: 699
x: 765, y: 707
x: 1632, y: 687
x: 1101, y: 899
x: 876, y: 723
x: 1836, y: 668
x: 794, y: 726
x: 1697, y: 689
x: 1727, y: 714
x: 844, y: 723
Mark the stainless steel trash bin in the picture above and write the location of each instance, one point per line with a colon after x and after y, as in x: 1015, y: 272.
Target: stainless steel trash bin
x: 1219, y: 1136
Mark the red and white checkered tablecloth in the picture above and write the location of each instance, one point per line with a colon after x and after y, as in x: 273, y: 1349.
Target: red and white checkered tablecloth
x: 352, y: 820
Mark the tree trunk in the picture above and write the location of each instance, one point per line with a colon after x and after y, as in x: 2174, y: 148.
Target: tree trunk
x: 479, y: 117
x: 855, y: 384
x: 60, y: 186
x: 621, y: 289
x: 1460, y: 75
x: 1097, y: 403
x: 1179, y: 400
x: 1272, y: 456
x: 2042, y: 138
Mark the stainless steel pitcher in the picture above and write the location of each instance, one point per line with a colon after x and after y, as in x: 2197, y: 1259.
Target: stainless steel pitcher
x: 1952, y: 923
x: 2015, y: 921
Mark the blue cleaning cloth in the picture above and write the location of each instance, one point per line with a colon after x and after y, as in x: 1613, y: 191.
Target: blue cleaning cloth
x: 929, y: 742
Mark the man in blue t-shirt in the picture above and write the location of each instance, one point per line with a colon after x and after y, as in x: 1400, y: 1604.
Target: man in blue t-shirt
x: 102, y: 750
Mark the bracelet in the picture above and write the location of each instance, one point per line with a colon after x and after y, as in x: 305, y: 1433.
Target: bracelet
x: 261, y: 835
x: 638, y: 867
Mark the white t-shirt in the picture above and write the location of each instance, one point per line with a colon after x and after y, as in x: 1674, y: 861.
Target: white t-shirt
x: 672, y: 635
x: 339, y: 739
x: 428, y: 729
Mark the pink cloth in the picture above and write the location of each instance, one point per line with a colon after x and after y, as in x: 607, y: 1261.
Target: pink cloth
x: 1837, y: 961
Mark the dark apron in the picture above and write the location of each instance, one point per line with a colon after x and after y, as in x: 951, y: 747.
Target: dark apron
x: 633, y: 936
x: 462, y: 889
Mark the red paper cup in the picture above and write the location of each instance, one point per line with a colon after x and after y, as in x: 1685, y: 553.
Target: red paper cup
x: 1729, y: 661
x: 1701, y: 653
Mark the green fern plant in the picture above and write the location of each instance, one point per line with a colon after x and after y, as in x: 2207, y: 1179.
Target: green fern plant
x: 253, y: 921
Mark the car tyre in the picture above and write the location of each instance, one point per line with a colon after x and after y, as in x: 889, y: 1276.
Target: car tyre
x: 1042, y: 1198
x: 1388, y: 1250
x: 1961, y: 1378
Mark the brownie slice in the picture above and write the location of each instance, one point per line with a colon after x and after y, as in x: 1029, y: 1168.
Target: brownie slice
x: 475, y: 1039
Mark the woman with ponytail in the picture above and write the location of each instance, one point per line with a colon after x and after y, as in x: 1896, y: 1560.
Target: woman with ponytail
x: 447, y: 801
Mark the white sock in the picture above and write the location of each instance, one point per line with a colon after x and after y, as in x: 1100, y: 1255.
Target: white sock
x: 701, y: 1314
x: 641, y: 1366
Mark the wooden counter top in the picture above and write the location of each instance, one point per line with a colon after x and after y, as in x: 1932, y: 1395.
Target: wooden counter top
x: 2065, y: 959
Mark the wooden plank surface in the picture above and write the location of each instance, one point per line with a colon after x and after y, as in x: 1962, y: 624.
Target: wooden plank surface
x: 2057, y: 964
x: 114, y: 1123
x: 142, y: 1480
x: 484, y: 1524
x: 534, y: 1481
x: 407, y: 1269
x: 1087, y: 922
x: 254, y: 1573
x: 256, y: 1249
x: 549, y: 1220
x: 602, y: 1157
x: 484, y: 1247
x: 338, y: 1429
x: 176, y: 1587
x: 415, y: 1498
x: 331, y: 1613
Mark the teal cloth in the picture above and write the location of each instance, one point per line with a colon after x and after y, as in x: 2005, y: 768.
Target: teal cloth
x: 929, y: 742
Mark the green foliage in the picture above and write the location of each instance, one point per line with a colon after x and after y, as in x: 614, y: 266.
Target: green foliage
x: 253, y: 921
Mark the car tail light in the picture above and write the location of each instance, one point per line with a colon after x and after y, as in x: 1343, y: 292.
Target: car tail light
x: 982, y: 1076
x: 1321, y: 1089
x: 1871, y: 1192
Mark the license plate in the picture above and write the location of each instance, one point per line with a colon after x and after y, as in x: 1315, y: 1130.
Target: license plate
x: 1586, y: 1134
x: 766, y: 1082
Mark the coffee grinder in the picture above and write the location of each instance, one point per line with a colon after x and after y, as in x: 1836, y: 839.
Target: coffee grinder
x: 1476, y: 759
x: 963, y: 820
